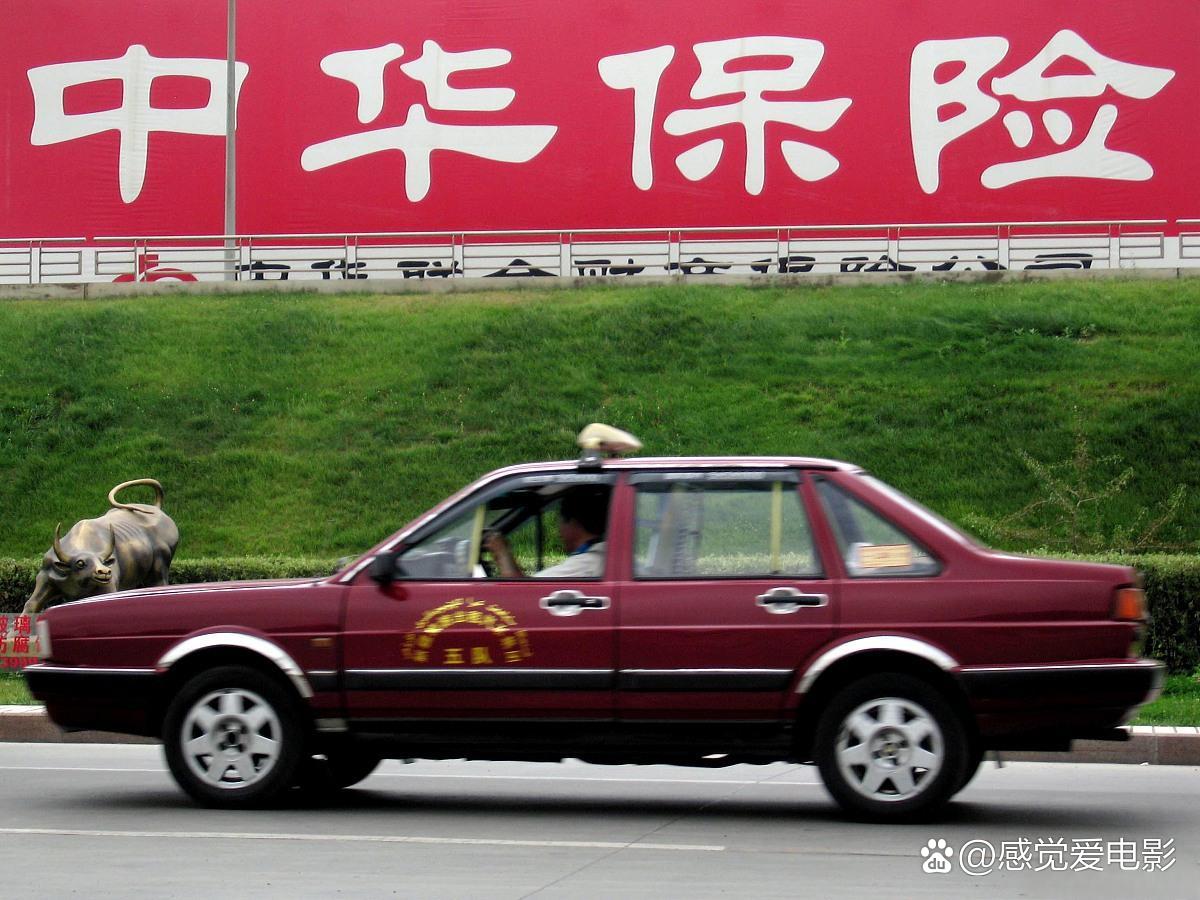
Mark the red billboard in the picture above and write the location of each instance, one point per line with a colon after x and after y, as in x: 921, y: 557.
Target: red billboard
x: 440, y: 115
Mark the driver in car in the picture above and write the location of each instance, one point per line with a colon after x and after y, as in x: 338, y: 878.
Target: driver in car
x: 581, y: 522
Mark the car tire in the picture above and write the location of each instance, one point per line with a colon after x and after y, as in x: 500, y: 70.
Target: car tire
x: 974, y: 762
x: 233, y: 738
x: 335, y: 770
x: 891, y: 748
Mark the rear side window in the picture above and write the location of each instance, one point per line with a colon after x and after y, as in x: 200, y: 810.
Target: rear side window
x: 706, y: 529
x: 870, y: 545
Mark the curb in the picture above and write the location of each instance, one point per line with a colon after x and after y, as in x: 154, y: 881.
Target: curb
x: 30, y: 724
x: 1155, y: 745
x: 1161, y: 745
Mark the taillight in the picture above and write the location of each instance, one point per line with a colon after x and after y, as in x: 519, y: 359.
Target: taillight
x: 1129, y: 605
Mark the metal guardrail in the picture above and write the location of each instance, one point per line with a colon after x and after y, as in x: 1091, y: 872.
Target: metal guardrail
x: 604, y: 252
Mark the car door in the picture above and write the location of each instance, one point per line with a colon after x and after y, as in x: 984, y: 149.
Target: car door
x: 726, y: 595
x: 448, y: 640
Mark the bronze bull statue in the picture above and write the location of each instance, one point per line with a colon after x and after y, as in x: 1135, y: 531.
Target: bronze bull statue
x: 129, y: 546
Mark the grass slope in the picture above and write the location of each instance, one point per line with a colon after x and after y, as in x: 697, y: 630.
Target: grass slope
x: 313, y: 425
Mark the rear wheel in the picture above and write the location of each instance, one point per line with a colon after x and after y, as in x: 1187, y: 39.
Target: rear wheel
x: 890, y: 747
x: 233, y: 737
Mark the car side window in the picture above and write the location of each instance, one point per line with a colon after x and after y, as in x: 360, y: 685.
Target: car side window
x: 714, y: 529
x: 870, y: 545
x: 451, y: 551
x: 526, y: 512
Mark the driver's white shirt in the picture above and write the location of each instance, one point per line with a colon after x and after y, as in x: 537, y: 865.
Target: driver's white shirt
x: 589, y: 564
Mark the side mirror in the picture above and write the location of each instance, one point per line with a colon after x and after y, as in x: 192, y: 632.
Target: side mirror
x: 383, y: 568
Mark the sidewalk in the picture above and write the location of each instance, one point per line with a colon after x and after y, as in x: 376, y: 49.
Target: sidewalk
x: 1162, y: 745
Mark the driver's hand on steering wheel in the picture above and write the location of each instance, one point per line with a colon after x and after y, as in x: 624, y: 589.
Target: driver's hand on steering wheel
x: 495, y: 544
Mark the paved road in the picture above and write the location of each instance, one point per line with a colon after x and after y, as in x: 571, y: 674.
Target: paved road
x: 106, y: 820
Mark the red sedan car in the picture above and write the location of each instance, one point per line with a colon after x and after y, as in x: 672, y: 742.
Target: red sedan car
x: 686, y: 611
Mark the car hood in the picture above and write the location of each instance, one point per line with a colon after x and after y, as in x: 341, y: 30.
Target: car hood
x: 207, y: 587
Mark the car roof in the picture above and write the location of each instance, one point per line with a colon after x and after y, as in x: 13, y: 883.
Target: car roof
x: 686, y: 462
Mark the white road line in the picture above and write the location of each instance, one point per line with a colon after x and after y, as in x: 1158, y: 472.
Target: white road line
x: 723, y: 781
x: 361, y: 838
x: 71, y: 769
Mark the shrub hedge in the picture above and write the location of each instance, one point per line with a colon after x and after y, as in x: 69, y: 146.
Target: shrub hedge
x: 17, y: 575
x: 1172, y: 587
x: 1172, y: 583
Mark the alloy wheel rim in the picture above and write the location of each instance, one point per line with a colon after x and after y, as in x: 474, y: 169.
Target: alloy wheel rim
x: 231, y: 738
x: 890, y: 749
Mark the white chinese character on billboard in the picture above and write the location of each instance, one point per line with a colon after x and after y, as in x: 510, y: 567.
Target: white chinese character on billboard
x: 944, y: 110
x: 136, y: 117
x: 642, y: 71
x: 419, y: 137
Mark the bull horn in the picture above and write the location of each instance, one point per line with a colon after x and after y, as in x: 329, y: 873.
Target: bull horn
x: 58, y: 550
x: 112, y: 543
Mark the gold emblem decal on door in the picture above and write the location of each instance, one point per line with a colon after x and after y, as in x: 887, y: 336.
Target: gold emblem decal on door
x: 466, y: 632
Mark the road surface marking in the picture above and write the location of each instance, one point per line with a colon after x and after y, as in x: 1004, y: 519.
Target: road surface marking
x: 361, y: 838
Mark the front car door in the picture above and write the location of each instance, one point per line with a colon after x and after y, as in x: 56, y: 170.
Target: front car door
x: 450, y: 638
x: 726, y: 597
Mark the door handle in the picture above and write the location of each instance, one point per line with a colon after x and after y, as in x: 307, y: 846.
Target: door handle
x: 572, y: 603
x: 782, y: 600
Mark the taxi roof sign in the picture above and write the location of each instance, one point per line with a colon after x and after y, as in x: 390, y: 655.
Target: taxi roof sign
x: 598, y: 440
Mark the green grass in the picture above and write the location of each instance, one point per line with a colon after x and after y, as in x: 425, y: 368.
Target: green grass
x: 1178, y: 705
x: 314, y: 425
x: 13, y: 691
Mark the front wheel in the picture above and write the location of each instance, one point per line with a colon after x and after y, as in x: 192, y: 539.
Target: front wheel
x: 890, y: 747
x: 233, y: 738
x: 335, y: 770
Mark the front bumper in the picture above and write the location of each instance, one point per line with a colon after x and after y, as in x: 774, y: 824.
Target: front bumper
x: 1036, y: 706
x: 82, y: 698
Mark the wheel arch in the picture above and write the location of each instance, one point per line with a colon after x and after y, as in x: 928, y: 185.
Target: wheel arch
x: 846, y: 663
x: 203, y: 652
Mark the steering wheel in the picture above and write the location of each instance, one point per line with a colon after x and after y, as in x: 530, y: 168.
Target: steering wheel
x: 488, y: 564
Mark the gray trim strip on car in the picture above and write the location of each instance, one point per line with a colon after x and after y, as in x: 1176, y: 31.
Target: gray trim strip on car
x: 91, y: 670
x: 725, y: 680
x: 497, y: 679
x: 672, y: 680
x: 1053, y: 667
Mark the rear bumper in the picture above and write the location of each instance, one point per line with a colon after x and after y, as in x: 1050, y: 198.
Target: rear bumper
x: 1044, y: 706
x: 80, y: 698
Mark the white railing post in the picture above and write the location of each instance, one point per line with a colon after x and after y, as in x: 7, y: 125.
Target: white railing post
x: 35, y: 263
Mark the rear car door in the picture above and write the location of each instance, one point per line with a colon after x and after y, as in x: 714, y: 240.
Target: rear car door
x: 726, y: 595
x: 452, y: 639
